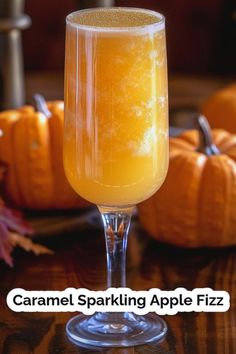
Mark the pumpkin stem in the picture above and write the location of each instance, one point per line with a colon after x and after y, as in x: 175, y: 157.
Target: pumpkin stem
x: 41, y: 105
x: 206, y: 145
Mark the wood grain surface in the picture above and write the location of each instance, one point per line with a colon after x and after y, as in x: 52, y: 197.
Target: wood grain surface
x: 79, y: 261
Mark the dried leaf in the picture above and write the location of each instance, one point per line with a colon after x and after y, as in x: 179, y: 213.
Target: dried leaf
x: 14, y: 221
x: 5, y: 245
x: 27, y: 244
x: 12, y: 229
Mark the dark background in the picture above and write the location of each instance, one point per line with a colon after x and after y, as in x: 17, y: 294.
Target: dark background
x: 201, y: 34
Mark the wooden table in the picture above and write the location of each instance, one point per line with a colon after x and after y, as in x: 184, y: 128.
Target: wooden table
x: 79, y: 261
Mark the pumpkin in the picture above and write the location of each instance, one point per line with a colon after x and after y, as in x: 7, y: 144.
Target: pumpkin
x: 196, y: 206
x: 31, y: 150
x: 220, y: 109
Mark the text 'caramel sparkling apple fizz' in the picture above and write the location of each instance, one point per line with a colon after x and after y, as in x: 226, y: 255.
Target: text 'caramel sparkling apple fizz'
x: 116, y: 136
x: 115, y: 144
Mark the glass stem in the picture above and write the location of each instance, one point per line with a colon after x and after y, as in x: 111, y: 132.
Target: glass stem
x: 116, y: 227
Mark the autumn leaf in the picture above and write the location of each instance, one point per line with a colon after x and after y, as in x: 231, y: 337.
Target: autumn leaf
x: 5, y: 245
x: 13, y: 229
x: 27, y: 244
x: 14, y: 221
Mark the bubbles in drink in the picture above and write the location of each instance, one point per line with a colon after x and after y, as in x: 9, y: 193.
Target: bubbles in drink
x: 116, y: 85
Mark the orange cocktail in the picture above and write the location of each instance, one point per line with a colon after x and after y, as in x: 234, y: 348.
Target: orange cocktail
x: 116, y: 115
x: 115, y: 144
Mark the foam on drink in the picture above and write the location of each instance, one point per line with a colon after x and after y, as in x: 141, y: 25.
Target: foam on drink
x: 114, y: 17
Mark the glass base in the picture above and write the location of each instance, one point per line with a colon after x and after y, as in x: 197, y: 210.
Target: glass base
x: 115, y: 329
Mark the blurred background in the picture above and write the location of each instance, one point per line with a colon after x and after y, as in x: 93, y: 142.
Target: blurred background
x: 201, y: 34
x: 201, y: 44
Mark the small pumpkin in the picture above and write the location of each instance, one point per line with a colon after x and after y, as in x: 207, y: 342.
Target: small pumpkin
x: 220, y: 109
x: 196, y: 206
x: 31, y: 150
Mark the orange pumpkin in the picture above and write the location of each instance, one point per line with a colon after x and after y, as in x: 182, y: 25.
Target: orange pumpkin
x: 196, y: 206
x: 31, y: 150
x: 220, y: 109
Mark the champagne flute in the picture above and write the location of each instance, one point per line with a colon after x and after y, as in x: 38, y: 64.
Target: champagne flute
x: 115, y: 142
